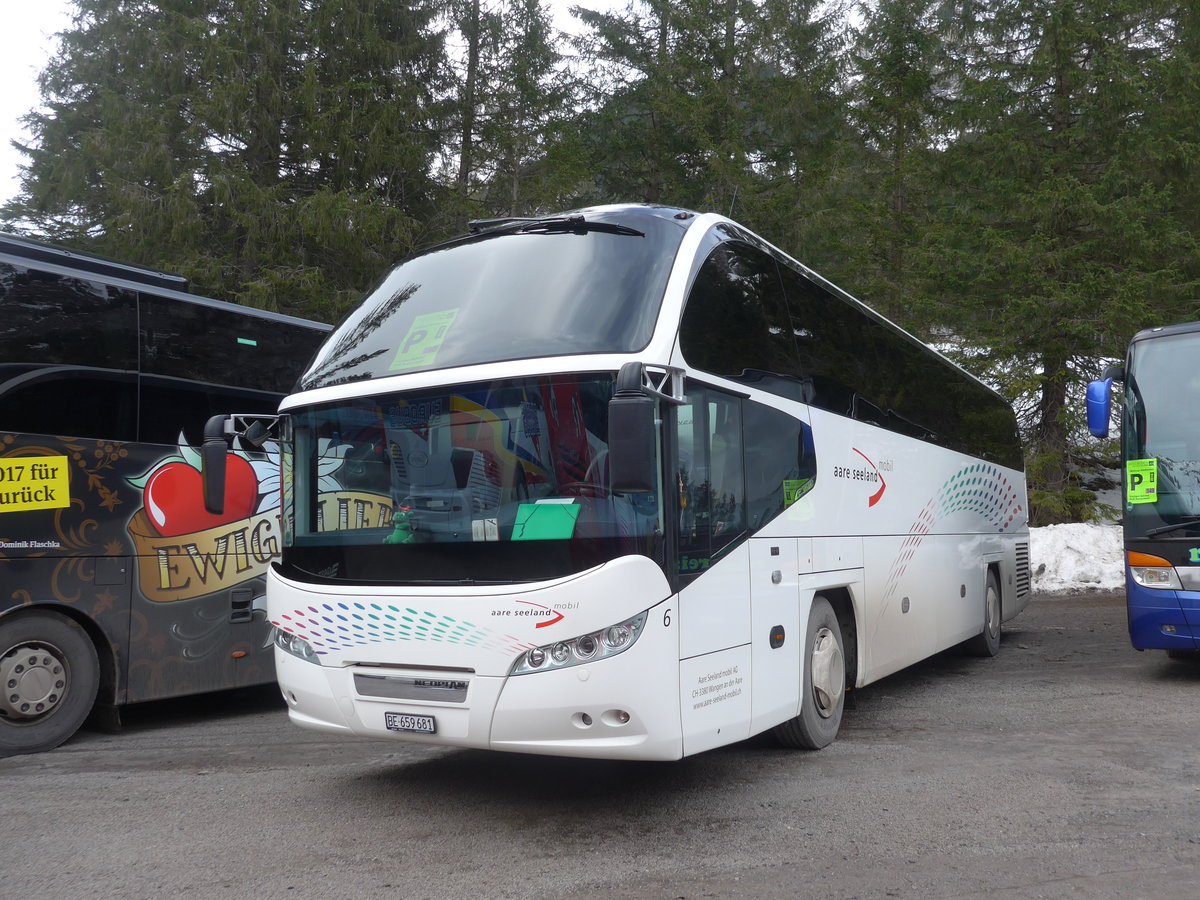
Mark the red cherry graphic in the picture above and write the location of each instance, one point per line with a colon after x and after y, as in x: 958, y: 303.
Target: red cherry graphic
x: 174, y: 497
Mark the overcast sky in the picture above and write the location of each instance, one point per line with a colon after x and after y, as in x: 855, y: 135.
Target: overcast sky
x: 29, y: 27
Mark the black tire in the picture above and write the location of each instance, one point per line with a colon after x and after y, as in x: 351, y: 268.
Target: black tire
x: 823, y: 683
x: 49, y: 674
x: 987, y: 642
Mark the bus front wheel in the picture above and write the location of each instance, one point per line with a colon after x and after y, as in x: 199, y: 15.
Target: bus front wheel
x: 823, y: 689
x: 49, y: 674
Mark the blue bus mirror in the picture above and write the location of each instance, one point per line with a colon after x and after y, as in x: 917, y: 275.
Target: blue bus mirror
x: 1099, y: 407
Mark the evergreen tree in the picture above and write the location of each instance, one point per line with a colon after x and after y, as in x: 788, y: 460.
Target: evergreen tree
x: 724, y: 105
x: 275, y: 151
x: 1053, y: 247
x: 898, y: 107
x: 514, y: 100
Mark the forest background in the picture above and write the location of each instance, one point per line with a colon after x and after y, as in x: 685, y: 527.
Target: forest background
x: 1010, y: 180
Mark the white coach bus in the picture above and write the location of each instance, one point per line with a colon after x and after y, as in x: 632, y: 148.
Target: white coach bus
x: 632, y: 483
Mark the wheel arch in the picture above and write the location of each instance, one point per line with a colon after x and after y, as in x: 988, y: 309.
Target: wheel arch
x: 843, y: 607
x: 106, y: 654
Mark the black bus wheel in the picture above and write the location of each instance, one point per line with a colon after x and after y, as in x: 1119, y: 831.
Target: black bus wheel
x: 49, y: 674
x: 823, y: 688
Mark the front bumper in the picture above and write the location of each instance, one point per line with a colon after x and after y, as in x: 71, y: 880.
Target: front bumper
x: 625, y: 707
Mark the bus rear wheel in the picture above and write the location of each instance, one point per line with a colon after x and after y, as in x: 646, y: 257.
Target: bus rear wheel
x: 987, y: 642
x: 823, y: 690
x: 49, y: 674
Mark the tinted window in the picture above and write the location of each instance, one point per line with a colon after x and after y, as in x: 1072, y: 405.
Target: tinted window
x: 508, y: 296
x: 173, y: 407
x: 736, y: 321
x: 47, y: 318
x: 1161, y: 391
x: 781, y: 464
x: 68, y: 355
x: 710, y: 477
x: 739, y: 465
x: 68, y: 401
x: 223, y: 346
x: 861, y: 366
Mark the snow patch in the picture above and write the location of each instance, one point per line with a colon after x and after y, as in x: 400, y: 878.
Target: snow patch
x: 1076, y: 557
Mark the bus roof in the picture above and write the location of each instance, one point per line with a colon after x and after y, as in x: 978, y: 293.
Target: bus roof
x: 36, y: 254
x: 36, y: 251
x: 1165, y: 331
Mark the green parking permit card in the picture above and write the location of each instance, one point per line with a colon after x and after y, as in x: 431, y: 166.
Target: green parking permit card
x: 420, y: 346
x: 544, y: 521
x: 1141, y: 480
x: 795, y: 488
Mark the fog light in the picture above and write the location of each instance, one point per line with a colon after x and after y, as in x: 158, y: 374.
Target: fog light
x: 1168, y: 629
x: 615, y: 718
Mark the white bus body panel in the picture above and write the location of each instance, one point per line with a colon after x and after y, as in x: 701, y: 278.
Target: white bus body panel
x: 472, y: 636
x: 905, y: 528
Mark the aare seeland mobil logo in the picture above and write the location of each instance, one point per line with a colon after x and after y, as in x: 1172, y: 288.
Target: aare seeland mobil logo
x: 870, y: 474
x: 527, y: 609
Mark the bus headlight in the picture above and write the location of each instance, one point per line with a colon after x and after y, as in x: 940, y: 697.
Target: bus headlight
x: 1153, y: 571
x: 583, y: 649
x: 296, y: 646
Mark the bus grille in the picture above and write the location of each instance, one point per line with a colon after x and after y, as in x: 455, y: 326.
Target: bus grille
x: 1022, y: 570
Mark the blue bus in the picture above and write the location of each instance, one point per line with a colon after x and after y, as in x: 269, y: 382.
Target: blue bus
x: 1160, y: 453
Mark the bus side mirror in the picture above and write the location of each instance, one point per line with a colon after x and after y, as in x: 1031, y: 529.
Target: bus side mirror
x: 1099, y: 407
x: 212, y: 465
x: 632, y: 443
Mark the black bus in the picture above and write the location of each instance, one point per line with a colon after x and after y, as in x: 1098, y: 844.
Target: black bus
x: 115, y: 585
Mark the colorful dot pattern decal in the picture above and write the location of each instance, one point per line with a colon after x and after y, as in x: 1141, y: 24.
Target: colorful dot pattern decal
x: 345, y: 625
x: 981, y: 489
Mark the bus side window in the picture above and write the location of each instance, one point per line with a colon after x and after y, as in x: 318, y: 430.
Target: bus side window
x: 736, y: 322
x: 69, y: 359
x: 710, y: 479
x: 780, y: 462
x: 171, y: 408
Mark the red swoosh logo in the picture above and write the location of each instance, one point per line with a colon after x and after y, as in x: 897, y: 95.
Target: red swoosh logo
x: 558, y: 617
x: 878, y: 495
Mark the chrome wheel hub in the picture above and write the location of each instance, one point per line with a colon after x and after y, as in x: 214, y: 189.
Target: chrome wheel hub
x: 993, y: 611
x: 828, y: 672
x: 33, y: 681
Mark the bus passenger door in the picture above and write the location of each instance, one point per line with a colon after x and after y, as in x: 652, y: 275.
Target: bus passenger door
x: 713, y: 571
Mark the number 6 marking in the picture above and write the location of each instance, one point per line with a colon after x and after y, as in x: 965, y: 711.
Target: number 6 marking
x: 667, y: 618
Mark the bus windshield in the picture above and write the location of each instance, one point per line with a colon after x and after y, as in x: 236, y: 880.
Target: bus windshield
x: 1162, y: 433
x: 492, y: 482
x: 519, y: 293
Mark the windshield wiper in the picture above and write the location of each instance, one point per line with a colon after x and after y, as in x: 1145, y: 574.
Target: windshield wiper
x: 1191, y: 522
x: 551, y: 225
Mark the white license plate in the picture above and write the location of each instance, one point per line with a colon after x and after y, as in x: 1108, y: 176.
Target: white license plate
x: 412, y: 724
